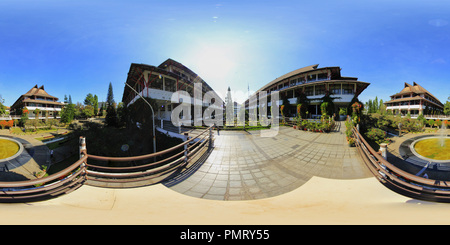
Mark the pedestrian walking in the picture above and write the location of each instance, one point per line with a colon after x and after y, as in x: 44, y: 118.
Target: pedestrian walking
x: 217, y: 128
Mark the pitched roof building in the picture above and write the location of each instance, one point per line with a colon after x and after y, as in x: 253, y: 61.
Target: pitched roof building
x: 414, y: 99
x: 315, y: 83
x: 38, y: 98
x: 160, y: 82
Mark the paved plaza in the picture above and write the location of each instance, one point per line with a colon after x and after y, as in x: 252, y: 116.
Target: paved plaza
x: 246, y: 166
x: 243, y: 165
x: 319, y: 180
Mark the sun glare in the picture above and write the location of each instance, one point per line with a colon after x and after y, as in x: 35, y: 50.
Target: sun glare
x: 215, y: 62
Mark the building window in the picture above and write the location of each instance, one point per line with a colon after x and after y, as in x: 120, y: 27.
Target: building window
x: 309, y: 91
x: 293, y: 82
x: 335, y: 88
x: 170, y: 84
x: 138, y: 87
x: 322, y: 76
x: 311, y: 78
x: 301, y: 80
x: 156, y: 82
x: 320, y: 90
x: 347, y: 89
x: 189, y: 89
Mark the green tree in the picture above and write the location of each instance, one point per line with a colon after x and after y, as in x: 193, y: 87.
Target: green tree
x: 111, y: 118
x: 88, y: 111
x: 381, y: 107
x: 369, y: 106
x: 78, y: 112
x: 431, y: 122
x: 36, y: 113
x: 111, y: 113
x: 447, y: 108
x: 110, y: 96
x: 287, y: 106
x: 95, y: 105
x: 24, y: 116
x: 303, y: 101
x: 375, y: 105
x: 92, y: 101
x: 421, y: 119
x: 102, y: 109
x: 89, y: 100
x: 2, y: 107
x: 329, y: 104
x: 68, y: 112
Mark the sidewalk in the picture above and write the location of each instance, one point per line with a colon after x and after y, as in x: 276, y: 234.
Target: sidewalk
x: 34, y: 155
x: 246, y: 166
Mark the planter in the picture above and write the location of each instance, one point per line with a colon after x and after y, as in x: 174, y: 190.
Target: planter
x: 351, y: 141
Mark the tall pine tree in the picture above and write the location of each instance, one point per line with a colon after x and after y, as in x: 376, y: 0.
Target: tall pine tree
x: 68, y: 113
x: 111, y: 113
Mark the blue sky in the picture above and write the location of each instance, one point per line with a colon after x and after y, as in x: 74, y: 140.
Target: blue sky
x: 79, y: 47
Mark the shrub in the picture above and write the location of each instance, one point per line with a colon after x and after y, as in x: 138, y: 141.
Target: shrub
x: 3, y: 124
x: 377, y: 135
x: 348, y: 131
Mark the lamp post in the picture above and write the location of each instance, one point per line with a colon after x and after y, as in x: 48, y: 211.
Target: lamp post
x: 153, y: 116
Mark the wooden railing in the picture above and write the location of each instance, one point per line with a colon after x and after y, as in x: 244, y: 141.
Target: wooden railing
x: 399, y: 181
x: 182, y: 156
x: 51, y: 186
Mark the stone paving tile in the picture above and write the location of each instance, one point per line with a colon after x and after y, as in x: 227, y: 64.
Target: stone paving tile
x: 245, y: 166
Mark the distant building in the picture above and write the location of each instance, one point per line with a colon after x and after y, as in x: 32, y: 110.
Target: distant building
x: 37, y: 98
x: 315, y: 83
x: 414, y: 99
x: 160, y: 82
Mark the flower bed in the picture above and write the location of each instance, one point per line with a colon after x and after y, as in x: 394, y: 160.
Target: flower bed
x: 323, y: 125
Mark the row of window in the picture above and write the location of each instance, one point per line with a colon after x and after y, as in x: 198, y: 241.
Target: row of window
x: 413, y: 95
x: 159, y: 82
x: 300, y: 80
x: 43, y: 105
x: 336, y: 88
x: 413, y: 102
x: 39, y: 98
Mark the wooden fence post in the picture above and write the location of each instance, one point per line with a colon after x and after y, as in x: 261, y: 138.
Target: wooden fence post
x: 82, y: 146
x: 186, y: 149
x: 210, y: 139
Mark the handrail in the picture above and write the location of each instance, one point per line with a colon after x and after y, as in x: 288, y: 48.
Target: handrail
x: 143, y: 157
x: 152, y: 170
x: 76, y: 174
x: 398, y: 180
x: 18, y: 184
x: 135, y: 174
x: 51, y: 186
x: 135, y: 167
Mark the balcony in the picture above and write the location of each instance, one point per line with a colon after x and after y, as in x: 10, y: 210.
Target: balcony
x: 405, y: 107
